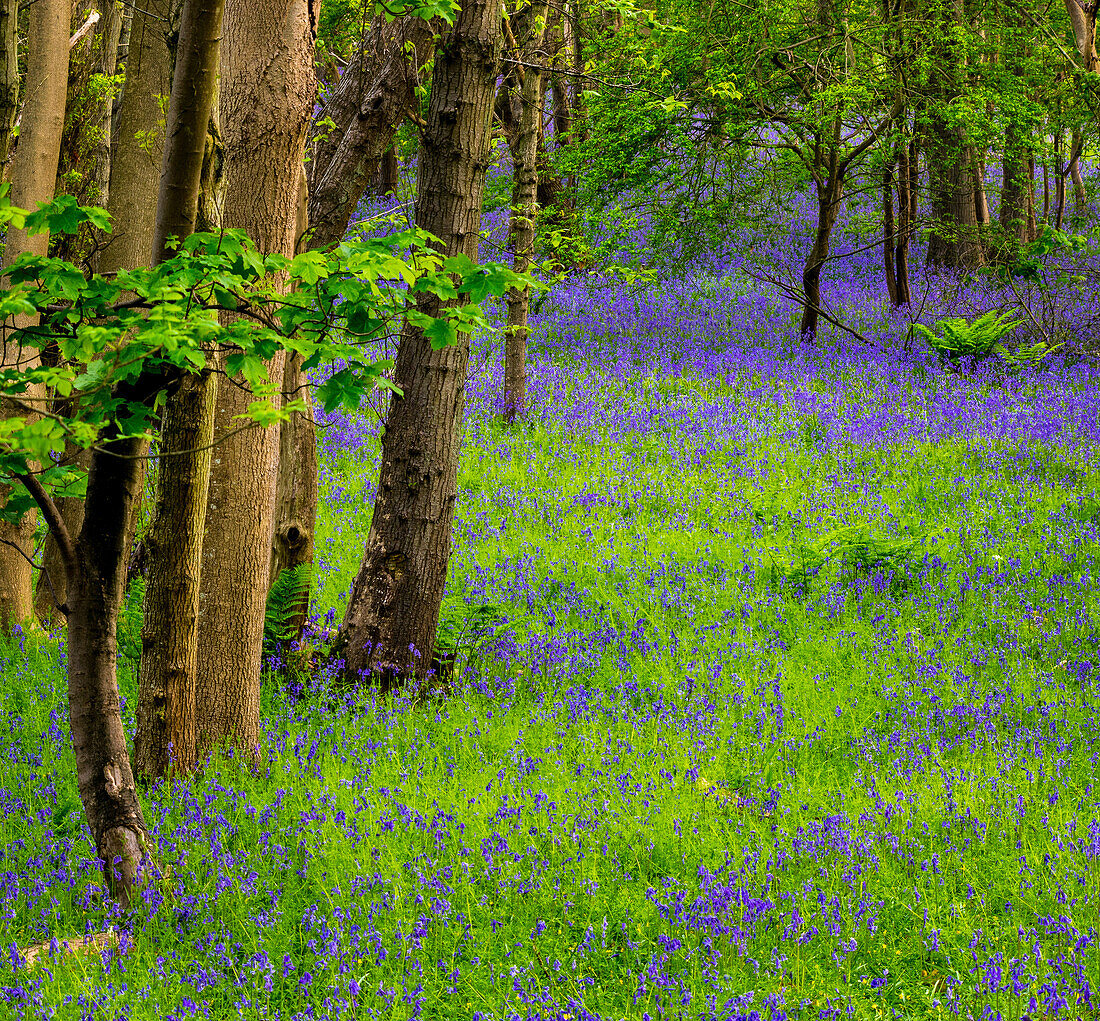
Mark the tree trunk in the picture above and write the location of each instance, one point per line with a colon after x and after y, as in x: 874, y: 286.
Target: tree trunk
x: 166, y: 686
x: 296, y: 488
x: 138, y: 151
x: 264, y: 119
x: 889, y: 234
x: 9, y: 74
x: 954, y: 242
x: 830, y: 191
x: 1080, y: 197
x: 374, y: 95
x: 104, y: 776
x: 1060, y: 179
x: 524, y: 206
x: 166, y: 728
x: 906, y: 214
x: 1017, y: 215
x: 389, y: 629
x: 33, y: 173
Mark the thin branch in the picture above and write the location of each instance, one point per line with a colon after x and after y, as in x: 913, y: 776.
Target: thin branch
x: 52, y: 513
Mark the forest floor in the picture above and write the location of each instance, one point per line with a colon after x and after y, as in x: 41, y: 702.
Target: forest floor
x: 777, y: 694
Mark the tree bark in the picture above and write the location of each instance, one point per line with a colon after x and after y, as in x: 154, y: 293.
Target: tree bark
x: 264, y: 121
x: 830, y: 192
x: 376, y: 92
x: 51, y: 591
x: 907, y: 209
x: 138, y: 151
x: 166, y: 728
x: 9, y: 74
x: 389, y: 629
x: 33, y: 173
x: 1080, y: 197
x: 1017, y: 214
x: 524, y: 206
x: 889, y: 234
x: 954, y: 242
x: 104, y: 776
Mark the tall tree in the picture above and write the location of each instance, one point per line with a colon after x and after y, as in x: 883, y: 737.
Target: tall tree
x: 389, y: 629
x: 9, y: 73
x: 33, y: 173
x: 267, y: 92
x: 525, y: 33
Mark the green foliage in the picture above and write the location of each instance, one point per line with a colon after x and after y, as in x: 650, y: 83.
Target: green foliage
x: 955, y: 338
x: 117, y: 342
x: 284, y: 607
x: 853, y: 549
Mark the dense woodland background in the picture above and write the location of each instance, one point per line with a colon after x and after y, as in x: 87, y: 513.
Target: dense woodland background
x: 325, y: 332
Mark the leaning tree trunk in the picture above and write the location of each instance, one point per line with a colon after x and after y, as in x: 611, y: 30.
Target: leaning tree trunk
x: 1080, y: 197
x: 375, y: 93
x: 51, y: 592
x: 524, y: 207
x: 389, y: 628
x: 264, y: 118
x: 33, y: 172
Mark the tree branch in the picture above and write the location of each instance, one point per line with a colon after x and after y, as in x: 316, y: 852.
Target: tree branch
x: 52, y: 513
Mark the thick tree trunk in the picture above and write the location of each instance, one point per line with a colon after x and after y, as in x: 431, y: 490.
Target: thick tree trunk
x: 264, y: 119
x: 954, y: 242
x: 374, y: 95
x: 138, y: 151
x: 524, y: 207
x: 33, y: 173
x: 1017, y: 214
x: 166, y: 728
x: 9, y: 74
x: 389, y: 629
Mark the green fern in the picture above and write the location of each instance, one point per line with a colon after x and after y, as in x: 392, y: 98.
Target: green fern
x: 956, y: 338
x: 285, y: 602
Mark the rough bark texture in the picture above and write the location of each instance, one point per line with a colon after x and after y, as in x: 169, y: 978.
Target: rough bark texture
x: 267, y: 91
x: 389, y: 628
x: 1080, y: 197
x: 189, y: 109
x: 104, y: 776
x: 33, y: 172
x: 1017, y: 212
x: 296, y: 488
x: 166, y: 729
x: 9, y: 74
x: 138, y: 150
x: 525, y: 179
x: 374, y: 95
x: 830, y: 191
x: 907, y: 214
x: 954, y: 242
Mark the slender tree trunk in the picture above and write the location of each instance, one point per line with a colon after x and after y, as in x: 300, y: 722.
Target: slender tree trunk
x: 830, y: 192
x: 33, y: 172
x: 389, y: 629
x: 264, y: 118
x: 166, y: 728
x: 374, y: 95
x: 1060, y: 179
x: 906, y: 214
x: 9, y: 74
x: 166, y: 721
x: 104, y: 776
x: 524, y: 207
x: 889, y: 234
x: 1080, y: 197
